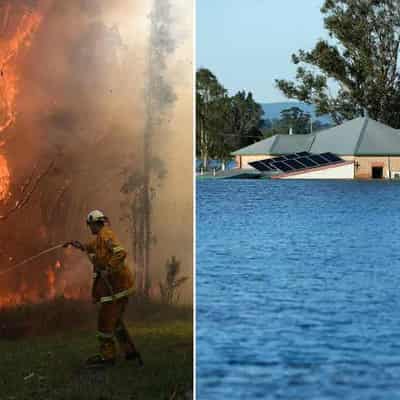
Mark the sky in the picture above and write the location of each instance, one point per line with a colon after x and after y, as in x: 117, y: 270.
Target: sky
x: 248, y: 44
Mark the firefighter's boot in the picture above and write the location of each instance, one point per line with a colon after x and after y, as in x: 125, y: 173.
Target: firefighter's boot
x: 107, y: 348
x: 135, y: 356
x: 126, y: 343
x: 98, y: 361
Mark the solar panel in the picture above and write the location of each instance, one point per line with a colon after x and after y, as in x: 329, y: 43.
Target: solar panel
x: 318, y: 159
x: 268, y: 161
x: 307, y: 162
x: 271, y: 165
x: 259, y: 166
x: 295, y: 164
x: 263, y: 167
x: 331, y: 157
x: 291, y: 156
x: 283, y: 166
x: 268, y: 166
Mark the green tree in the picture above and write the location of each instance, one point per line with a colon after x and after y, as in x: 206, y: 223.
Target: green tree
x: 296, y: 119
x: 360, y: 58
x: 244, y: 119
x: 223, y: 123
x: 211, y: 100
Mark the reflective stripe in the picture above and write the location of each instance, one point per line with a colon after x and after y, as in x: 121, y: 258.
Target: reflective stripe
x: 117, y: 249
x: 103, y: 335
x: 116, y: 296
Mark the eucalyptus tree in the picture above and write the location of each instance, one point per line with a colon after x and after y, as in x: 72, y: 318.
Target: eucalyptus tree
x: 356, y: 70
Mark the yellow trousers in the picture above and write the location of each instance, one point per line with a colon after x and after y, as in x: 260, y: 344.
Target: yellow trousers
x: 111, y: 326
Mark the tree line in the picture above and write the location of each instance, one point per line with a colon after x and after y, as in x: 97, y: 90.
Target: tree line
x: 293, y: 120
x: 226, y: 123
x: 223, y: 123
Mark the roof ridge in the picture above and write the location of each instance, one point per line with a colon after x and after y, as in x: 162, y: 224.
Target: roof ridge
x: 361, y: 137
x: 274, y: 143
x: 312, y: 142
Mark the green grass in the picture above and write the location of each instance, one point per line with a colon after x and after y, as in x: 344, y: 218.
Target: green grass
x: 49, y: 365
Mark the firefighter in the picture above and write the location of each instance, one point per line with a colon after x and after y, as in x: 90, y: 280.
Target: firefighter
x: 112, y: 284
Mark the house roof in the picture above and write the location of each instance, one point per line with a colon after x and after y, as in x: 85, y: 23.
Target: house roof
x: 360, y: 136
x: 342, y: 139
x: 378, y: 139
x: 295, y: 143
x: 278, y: 144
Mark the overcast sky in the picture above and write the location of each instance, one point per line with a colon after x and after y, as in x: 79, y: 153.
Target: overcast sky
x: 248, y: 43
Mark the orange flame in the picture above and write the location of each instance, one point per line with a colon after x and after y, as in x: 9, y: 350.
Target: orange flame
x: 51, y: 279
x: 56, y: 286
x: 9, y: 50
x: 4, y: 179
x: 9, y: 78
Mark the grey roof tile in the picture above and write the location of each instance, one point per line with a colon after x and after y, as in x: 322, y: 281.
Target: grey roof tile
x: 378, y: 139
x: 287, y: 144
x: 341, y: 139
x: 360, y: 136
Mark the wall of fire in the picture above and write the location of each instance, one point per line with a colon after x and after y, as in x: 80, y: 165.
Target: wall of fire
x: 72, y: 76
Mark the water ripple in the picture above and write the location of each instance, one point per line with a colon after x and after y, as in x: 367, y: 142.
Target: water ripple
x: 298, y: 290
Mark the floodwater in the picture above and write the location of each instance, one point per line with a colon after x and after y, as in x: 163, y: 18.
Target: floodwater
x: 298, y: 290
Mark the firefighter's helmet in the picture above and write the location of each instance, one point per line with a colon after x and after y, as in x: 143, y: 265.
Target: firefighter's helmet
x: 96, y: 216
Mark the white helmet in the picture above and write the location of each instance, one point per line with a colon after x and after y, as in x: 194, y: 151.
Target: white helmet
x: 96, y: 216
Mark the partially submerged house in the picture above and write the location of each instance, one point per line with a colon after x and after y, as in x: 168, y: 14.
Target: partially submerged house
x: 369, y: 150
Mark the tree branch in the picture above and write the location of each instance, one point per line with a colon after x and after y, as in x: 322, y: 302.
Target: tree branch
x: 25, y: 200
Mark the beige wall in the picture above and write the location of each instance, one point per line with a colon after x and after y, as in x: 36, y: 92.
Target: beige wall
x: 341, y: 171
x: 363, y: 168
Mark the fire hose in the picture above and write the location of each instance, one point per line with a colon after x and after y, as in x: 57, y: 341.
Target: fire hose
x: 50, y: 250
x: 28, y: 260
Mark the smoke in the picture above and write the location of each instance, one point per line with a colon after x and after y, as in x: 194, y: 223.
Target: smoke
x: 171, y: 100
x: 84, y: 103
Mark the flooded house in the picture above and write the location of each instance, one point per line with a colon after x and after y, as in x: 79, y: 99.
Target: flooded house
x: 361, y: 148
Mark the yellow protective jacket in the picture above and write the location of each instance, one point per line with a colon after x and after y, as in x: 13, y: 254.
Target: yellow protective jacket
x: 106, y: 253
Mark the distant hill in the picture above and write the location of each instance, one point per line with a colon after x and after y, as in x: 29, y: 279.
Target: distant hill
x: 272, y: 110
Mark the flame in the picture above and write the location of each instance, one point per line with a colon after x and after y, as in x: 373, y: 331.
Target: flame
x: 4, y: 179
x: 9, y: 78
x: 56, y: 286
x: 52, y: 283
x: 51, y: 280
